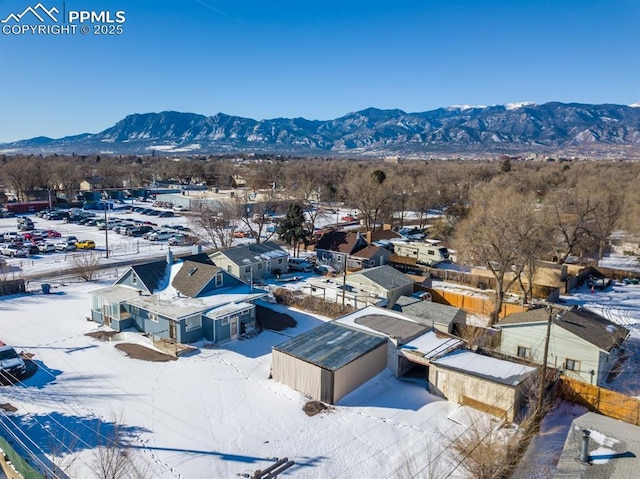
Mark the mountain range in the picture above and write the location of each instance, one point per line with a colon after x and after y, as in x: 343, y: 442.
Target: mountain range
x: 523, y: 128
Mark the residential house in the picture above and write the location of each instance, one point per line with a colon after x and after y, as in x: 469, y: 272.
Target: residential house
x: 612, y: 449
x: 337, y: 248
x: 384, y: 281
x: 187, y: 302
x: 582, y: 344
x: 491, y: 385
x: 253, y: 262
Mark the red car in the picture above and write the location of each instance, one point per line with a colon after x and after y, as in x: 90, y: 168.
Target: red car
x: 348, y: 218
x: 53, y: 234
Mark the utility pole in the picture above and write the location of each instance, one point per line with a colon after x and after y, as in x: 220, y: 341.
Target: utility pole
x: 344, y: 278
x: 543, y: 379
x: 106, y: 227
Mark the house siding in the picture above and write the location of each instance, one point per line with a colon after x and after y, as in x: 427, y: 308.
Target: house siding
x: 562, y: 346
x: 366, y: 284
x: 131, y: 279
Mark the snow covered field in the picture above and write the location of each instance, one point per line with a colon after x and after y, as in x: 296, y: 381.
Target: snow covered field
x: 214, y: 413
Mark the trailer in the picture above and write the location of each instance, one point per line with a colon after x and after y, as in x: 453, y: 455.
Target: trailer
x: 424, y: 253
x: 26, y: 207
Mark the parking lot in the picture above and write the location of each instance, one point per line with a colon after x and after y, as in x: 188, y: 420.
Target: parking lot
x: 47, y: 244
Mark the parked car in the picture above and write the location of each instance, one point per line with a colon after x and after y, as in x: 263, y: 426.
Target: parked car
x: 45, y: 247
x: 13, y: 251
x: 31, y: 248
x: 26, y: 226
x: 12, y: 366
x: 178, y: 240
x: 179, y: 208
x: 65, y: 246
x: 324, y: 269
x: 161, y: 235
x: 86, y: 244
x: 53, y: 234
x: 166, y: 214
x: 140, y: 230
x: 300, y: 264
x: 71, y: 239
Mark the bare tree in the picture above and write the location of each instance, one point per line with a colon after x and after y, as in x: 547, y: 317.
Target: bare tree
x: 86, y: 264
x: 493, y: 235
x: 216, y: 220
x: 114, y: 458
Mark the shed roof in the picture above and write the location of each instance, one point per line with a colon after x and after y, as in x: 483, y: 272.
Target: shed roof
x: 331, y: 346
x: 430, y: 311
x: 496, y: 370
x: 385, y: 276
x: 432, y: 345
x: 614, y: 449
x: 398, y: 328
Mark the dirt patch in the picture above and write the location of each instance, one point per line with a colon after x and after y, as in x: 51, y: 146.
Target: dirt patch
x: 8, y: 407
x: 314, y: 407
x: 269, y: 319
x: 102, y: 335
x: 137, y: 351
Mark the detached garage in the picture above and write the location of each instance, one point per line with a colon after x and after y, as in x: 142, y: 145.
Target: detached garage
x: 329, y: 362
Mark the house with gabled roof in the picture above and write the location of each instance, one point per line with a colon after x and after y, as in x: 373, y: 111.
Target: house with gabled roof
x: 253, y: 262
x: 385, y: 281
x: 583, y: 345
x: 188, y: 302
x: 337, y: 248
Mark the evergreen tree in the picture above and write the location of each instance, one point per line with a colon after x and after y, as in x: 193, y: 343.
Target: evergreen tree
x: 292, y: 229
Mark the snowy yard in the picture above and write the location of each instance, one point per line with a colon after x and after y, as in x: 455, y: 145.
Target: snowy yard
x: 214, y: 413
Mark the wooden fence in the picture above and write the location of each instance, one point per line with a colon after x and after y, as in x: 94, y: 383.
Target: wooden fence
x: 472, y: 304
x: 409, y: 265
x: 604, y: 401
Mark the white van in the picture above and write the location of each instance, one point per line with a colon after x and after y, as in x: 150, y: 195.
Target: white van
x: 300, y: 264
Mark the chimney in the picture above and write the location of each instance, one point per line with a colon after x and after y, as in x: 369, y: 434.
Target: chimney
x: 196, y: 249
x: 169, y: 257
x: 584, y: 452
x: 386, y: 227
x: 368, y: 237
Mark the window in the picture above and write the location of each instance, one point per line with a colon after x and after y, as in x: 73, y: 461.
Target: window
x: 259, y: 265
x: 524, y: 353
x: 225, y: 320
x: 572, y: 365
x: 135, y: 309
x: 247, y: 269
x: 218, y: 280
x: 153, y: 317
x: 193, y: 322
x: 279, y: 260
x: 134, y: 280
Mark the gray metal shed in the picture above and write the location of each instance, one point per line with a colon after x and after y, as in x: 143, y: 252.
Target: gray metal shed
x: 330, y: 361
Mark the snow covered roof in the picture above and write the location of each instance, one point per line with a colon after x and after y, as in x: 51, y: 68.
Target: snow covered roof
x: 432, y: 345
x: 497, y: 370
x: 252, y: 253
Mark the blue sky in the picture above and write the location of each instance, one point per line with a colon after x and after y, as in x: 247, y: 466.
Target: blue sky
x: 317, y: 59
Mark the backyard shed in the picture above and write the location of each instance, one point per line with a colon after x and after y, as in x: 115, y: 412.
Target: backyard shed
x: 330, y: 361
x: 491, y: 385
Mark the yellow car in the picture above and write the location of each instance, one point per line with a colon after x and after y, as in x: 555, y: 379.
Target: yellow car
x: 86, y: 244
